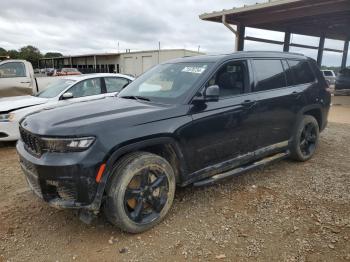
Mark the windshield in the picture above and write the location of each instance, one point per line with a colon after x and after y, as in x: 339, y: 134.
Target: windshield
x: 55, y: 88
x: 166, y: 82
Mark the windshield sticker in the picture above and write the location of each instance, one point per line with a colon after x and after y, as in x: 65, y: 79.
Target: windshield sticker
x: 194, y: 69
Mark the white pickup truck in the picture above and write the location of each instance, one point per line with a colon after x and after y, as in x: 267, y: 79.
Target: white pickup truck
x: 17, y: 78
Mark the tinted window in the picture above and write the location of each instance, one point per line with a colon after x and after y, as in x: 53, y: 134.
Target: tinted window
x: 13, y: 69
x: 115, y: 84
x: 301, y: 71
x: 230, y: 78
x: 88, y: 87
x: 269, y: 75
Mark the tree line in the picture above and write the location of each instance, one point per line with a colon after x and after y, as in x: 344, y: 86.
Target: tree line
x: 29, y: 53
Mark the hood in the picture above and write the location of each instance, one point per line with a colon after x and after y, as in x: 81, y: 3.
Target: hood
x: 8, y: 104
x: 84, y: 117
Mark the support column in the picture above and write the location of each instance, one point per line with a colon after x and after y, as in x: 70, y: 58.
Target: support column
x: 286, y: 45
x: 240, y: 37
x: 345, y: 54
x: 320, y: 51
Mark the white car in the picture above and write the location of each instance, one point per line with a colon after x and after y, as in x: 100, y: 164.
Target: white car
x: 64, y: 91
x: 330, y: 76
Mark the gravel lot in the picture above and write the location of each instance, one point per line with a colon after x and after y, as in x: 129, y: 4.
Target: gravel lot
x: 287, y: 212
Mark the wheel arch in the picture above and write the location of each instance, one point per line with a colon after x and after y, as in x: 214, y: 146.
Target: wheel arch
x: 316, y: 112
x: 164, y: 146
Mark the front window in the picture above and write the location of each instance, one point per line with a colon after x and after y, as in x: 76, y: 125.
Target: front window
x: 89, y: 87
x: 55, y: 88
x: 166, y: 82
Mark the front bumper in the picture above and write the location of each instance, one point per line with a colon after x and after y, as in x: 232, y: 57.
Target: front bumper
x: 64, y: 180
x: 9, y: 131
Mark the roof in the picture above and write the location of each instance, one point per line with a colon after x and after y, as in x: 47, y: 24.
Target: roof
x: 330, y: 18
x: 237, y: 55
x: 123, y: 53
x: 89, y: 76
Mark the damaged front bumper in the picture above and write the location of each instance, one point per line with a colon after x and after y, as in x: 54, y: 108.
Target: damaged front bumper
x: 63, y: 180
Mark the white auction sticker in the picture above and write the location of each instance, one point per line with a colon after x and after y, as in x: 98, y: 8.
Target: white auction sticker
x: 194, y: 69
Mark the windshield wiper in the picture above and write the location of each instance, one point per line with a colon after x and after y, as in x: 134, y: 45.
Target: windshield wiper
x: 136, y: 98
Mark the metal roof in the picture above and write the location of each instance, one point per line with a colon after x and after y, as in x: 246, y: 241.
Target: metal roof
x: 329, y: 18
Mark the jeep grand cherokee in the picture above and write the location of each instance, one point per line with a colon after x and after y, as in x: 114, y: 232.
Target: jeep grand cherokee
x: 190, y: 121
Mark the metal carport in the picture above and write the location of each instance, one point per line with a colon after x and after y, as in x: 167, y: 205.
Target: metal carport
x: 319, y: 18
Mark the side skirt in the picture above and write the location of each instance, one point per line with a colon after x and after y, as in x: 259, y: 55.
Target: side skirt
x: 243, y: 169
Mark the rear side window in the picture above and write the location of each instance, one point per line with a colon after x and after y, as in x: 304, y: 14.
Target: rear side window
x: 302, y: 72
x: 269, y: 75
x: 114, y: 84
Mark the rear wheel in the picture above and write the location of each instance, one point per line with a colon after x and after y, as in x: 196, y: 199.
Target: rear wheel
x: 305, y: 139
x: 140, y: 193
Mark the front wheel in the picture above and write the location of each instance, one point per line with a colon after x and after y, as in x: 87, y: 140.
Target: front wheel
x: 306, y: 138
x: 140, y: 193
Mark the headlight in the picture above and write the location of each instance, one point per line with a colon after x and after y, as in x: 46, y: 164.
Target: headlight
x: 67, y: 144
x: 6, y: 117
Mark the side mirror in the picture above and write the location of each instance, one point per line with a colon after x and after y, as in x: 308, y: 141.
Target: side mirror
x: 67, y: 95
x: 211, y: 94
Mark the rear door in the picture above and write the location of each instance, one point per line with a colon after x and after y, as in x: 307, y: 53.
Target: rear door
x: 278, y: 102
x: 14, y: 79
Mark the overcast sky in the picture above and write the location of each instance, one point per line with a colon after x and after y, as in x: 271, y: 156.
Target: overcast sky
x: 89, y: 26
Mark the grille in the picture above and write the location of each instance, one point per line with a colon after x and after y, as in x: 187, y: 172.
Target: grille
x: 32, y: 143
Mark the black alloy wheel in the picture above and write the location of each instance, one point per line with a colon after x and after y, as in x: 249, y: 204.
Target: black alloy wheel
x: 308, y: 140
x: 146, y: 195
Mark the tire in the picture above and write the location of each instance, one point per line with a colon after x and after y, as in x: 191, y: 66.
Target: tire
x: 140, y: 192
x: 306, y: 139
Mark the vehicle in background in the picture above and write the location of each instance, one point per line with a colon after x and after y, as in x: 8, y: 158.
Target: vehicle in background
x: 67, y: 72
x: 50, y: 71
x: 188, y: 121
x: 17, y: 78
x: 330, y: 76
x: 37, y: 71
x: 342, y: 82
x: 63, y: 91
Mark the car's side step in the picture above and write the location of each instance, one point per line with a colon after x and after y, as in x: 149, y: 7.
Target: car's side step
x: 240, y: 170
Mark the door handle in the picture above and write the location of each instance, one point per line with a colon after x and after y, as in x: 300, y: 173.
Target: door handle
x: 28, y: 82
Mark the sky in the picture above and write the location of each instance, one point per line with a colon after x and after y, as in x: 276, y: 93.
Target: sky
x: 90, y: 26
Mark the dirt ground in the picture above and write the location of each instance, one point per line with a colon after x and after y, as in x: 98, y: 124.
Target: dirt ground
x: 287, y: 212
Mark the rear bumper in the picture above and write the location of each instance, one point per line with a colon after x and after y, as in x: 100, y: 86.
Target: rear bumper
x: 9, y: 131
x: 62, y: 180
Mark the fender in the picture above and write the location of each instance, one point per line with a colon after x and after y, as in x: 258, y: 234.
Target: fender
x: 301, y: 113
x: 112, y: 159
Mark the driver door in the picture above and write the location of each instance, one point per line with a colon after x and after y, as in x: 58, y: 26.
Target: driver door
x: 224, y: 130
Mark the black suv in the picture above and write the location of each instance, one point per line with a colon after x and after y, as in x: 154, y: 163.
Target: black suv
x: 188, y: 121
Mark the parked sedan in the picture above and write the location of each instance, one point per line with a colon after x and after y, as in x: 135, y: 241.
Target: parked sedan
x: 64, y: 91
x: 342, y: 83
x: 67, y: 72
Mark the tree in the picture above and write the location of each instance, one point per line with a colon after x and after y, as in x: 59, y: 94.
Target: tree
x: 3, y: 52
x: 13, y: 54
x: 31, y: 54
x: 52, y: 54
